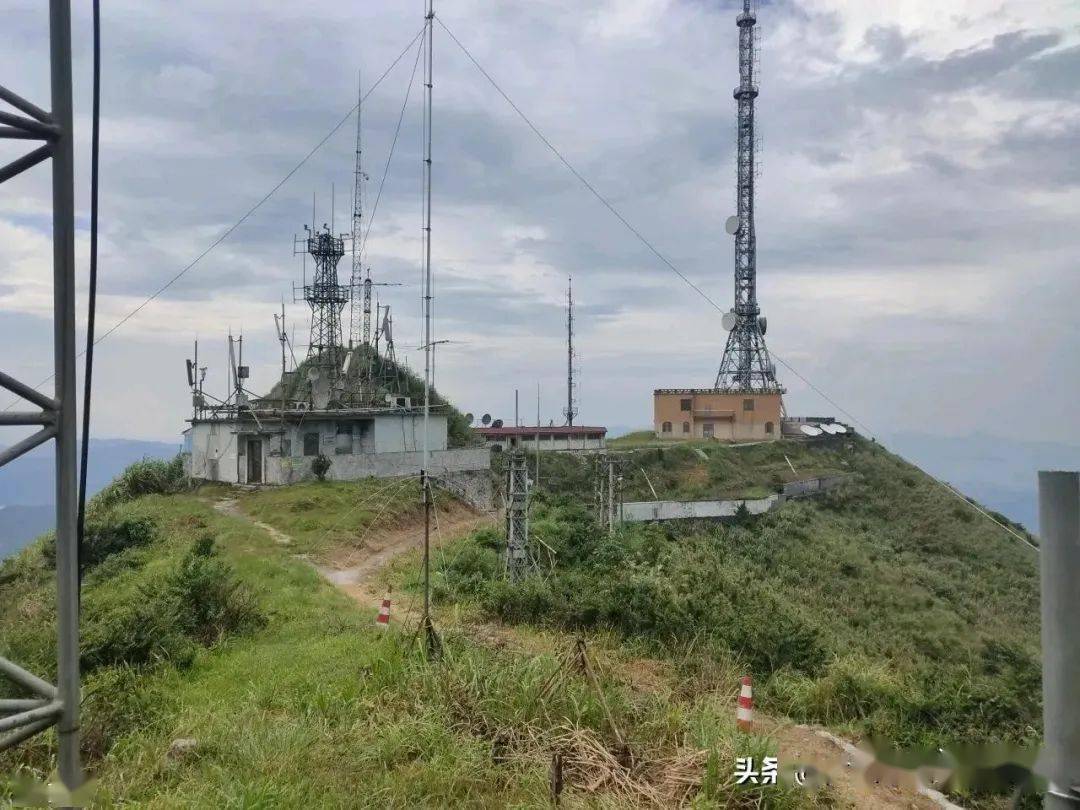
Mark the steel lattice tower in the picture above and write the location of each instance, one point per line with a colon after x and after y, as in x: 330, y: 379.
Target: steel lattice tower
x: 746, y: 365
x: 325, y: 297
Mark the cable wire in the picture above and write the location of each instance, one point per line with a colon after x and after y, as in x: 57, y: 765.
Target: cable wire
x: 641, y: 238
x: 91, y: 305
x: 393, y: 144
x: 232, y: 228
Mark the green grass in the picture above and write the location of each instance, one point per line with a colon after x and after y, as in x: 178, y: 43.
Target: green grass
x: 886, y: 607
x: 316, y: 707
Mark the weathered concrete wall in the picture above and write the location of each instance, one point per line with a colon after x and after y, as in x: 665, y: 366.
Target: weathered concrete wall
x: 475, y: 487
x: 213, y: 452
x: 641, y: 511
x: 289, y: 470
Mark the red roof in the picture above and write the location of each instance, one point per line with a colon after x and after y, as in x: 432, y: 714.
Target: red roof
x: 527, y: 431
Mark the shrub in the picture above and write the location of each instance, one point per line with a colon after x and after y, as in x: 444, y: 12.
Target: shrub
x: 107, y: 533
x: 146, y: 477
x: 208, y: 600
x: 320, y: 466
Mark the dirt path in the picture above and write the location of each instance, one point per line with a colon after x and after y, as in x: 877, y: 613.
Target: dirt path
x: 857, y: 781
x: 229, y: 506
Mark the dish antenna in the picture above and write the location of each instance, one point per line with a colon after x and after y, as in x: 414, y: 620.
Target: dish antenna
x: 729, y: 320
x: 485, y: 420
x: 731, y: 225
x: 470, y: 418
x: 498, y: 423
x: 810, y: 430
x: 835, y: 429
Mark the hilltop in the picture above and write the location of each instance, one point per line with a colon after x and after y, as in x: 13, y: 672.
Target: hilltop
x: 887, y: 607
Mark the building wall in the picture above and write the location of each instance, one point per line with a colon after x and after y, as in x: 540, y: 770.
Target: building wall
x: 693, y: 413
x: 354, y: 445
x: 547, y: 443
x: 292, y: 469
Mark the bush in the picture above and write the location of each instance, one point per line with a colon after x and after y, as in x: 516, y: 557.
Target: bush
x: 208, y: 600
x: 320, y: 466
x: 107, y: 533
x: 146, y: 477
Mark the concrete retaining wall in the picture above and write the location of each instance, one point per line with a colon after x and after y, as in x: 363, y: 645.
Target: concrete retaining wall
x: 291, y: 469
x: 643, y: 511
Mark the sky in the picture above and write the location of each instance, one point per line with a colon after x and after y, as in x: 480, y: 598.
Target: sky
x: 916, y: 214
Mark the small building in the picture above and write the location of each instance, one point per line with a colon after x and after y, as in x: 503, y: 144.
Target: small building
x: 709, y: 413
x: 563, y: 438
x: 249, y: 447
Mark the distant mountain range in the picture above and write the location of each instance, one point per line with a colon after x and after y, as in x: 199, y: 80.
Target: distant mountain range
x: 27, y: 497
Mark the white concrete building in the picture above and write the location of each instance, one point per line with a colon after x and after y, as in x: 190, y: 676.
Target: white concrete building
x: 562, y: 438
x: 253, y: 447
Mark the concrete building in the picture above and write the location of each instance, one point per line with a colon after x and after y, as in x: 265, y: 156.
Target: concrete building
x: 250, y: 447
x: 707, y: 413
x: 564, y: 438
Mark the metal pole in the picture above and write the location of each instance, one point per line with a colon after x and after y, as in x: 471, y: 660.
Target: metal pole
x: 67, y: 559
x: 424, y: 481
x: 1059, y: 527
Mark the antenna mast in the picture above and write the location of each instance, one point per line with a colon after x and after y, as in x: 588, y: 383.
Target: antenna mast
x: 429, y: 628
x: 746, y: 365
x: 571, y: 410
x: 357, y: 234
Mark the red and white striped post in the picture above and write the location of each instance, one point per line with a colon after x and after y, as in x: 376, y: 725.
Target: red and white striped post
x: 383, y: 619
x: 744, y: 715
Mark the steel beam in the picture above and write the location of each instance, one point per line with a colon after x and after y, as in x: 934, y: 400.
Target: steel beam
x: 27, y: 161
x: 31, y: 716
x: 40, y: 130
x: 10, y: 705
x: 67, y: 552
x: 27, y: 680
x: 25, y: 733
x: 26, y: 392
x: 1059, y: 563
x: 25, y: 418
x: 20, y: 103
x: 29, y: 443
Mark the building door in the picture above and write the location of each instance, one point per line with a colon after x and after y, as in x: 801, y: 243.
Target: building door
x: 254, y: 461
x: 707, y: 430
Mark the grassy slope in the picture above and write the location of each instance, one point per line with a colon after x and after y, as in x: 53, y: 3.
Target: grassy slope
x: 317, y: 706
x: 888, y: 607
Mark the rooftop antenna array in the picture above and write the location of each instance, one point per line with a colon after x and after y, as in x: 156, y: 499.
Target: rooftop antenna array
x: 570, y: 411
x: 746, y: 365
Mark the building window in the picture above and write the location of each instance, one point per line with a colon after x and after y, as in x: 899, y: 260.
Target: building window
x: 686, y: 404
x: 666, y: 427
x: 286, y: 446
x: 768, y: 427
x: 311, y: 444
x: 685, y: 427
x: 343, y: 440
x: 748, y: 404
x: 707, y: 430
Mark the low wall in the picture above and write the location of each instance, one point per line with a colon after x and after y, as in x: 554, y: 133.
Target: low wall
x: 472, y: 486
x: 642, y: 511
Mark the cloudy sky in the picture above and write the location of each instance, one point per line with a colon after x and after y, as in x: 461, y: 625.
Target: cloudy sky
x: 917, y: 211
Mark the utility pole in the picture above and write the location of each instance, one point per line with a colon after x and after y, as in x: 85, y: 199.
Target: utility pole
x: 517, y: 518
x: 54, y: 705
x: 1059, y: 563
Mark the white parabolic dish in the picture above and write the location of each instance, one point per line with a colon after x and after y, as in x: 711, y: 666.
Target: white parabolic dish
x: 729, y: 320
x: 810, y: 430
x: 731, y: 225
x: 837, y: 428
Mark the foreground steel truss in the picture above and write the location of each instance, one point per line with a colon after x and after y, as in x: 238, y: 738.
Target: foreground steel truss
x: 21, y: 718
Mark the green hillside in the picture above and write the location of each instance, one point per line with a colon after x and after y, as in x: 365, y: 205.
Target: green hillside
x: 886, y: 607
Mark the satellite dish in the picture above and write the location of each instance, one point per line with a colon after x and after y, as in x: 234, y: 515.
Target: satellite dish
x: 190, y: 374
x: 470, y: 418
x: 498, y: 423
x: 729, y: 320
x: 732, y: 225
x: 837, y: 429
x: 485, y: 420
x: 763, y: 324
x: 810, y: 430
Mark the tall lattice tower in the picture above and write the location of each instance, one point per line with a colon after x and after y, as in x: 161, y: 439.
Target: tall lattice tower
x: 571, y: 410
x: 746, y: 365
x: 359, y: 323
x: 325, y: 297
